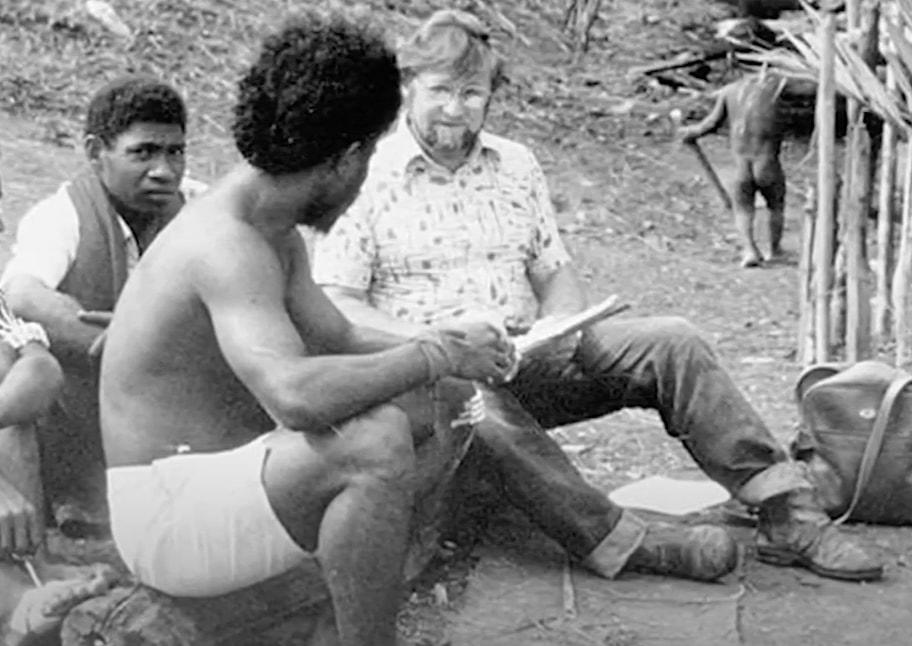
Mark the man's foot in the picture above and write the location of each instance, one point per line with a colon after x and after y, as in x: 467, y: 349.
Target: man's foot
x: 41, y: 610
x: 78, y: 519
x: 794, y: 530
x: 776, y: 253
x: 700, y: 552
x: 751, y: 259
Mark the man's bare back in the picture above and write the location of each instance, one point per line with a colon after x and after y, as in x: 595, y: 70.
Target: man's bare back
x: 752, y: 108
x: 179, y: 360
x: 754, y: 116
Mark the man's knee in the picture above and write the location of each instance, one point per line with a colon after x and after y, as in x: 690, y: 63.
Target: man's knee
x: 677, y: 337
x: 506, y: 421
x: 674, y: 330
x: 381, y: 443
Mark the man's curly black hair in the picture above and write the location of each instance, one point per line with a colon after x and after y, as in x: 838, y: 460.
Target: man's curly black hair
x: 321, y: 84
x: 130, y: 99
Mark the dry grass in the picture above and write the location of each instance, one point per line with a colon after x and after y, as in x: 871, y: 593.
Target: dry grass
x: 54, y: 54
x: 853, y: 77
x: 62, y: 54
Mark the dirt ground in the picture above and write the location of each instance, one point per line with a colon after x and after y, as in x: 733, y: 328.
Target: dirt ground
x: 641, y: 220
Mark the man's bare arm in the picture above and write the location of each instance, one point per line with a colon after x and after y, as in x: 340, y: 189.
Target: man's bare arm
x: 29, y: 386
x: 334, y: 327
x: 32, y: 300
x: 560, y: 293
x: 354, y: 305
x: 29, y: 380
x: 711, y: 123
x: 266, y: 350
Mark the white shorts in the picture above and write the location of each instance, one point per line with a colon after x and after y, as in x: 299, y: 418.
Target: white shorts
x: 200, y: 524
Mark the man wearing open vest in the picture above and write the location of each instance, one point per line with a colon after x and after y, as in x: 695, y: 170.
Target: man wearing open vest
x: 73, y: 252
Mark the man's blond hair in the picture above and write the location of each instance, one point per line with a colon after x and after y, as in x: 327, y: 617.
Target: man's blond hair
x: 450, y: 40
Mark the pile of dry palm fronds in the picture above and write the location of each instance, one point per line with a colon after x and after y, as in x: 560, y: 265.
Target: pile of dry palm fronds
x: 801, y: 58
x: 870, y: 62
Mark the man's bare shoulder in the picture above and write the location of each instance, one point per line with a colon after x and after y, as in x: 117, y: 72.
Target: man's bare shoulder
x: 220, y: 251
x: 214, y: 226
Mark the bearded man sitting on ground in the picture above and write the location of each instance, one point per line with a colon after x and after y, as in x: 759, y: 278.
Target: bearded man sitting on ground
x: 454, y: 221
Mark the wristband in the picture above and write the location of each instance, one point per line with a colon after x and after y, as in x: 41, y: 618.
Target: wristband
x: 18, y: 334
x: 431, y: 347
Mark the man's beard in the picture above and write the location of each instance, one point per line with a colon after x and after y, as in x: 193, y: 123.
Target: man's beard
x: 449, y: 143
x: 321, y: 213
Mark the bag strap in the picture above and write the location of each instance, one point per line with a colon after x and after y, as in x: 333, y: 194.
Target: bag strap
x: 875, y: 441
x: 825, y: 369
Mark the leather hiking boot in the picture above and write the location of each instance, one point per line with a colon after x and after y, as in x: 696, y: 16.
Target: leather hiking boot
x: 700, y: 552
x: 794, y: 530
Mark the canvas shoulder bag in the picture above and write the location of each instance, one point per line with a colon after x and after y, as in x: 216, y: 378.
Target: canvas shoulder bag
x: 857, y: 428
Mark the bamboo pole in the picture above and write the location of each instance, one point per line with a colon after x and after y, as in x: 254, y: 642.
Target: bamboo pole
x: 838, y: 280
x: 839, y: 315
x: 861, y: 180
x: 858, y: 304
x: 826, y: 180
x: 903, y: 273
x: 805, y: 353
x: 886, y: 210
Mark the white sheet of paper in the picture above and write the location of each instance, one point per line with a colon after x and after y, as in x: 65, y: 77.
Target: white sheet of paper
x: 669, y: 496
x: 546, y: 331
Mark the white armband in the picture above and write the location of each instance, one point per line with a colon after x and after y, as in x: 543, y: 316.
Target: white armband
x: 20, y: 334
x: 17, y: 332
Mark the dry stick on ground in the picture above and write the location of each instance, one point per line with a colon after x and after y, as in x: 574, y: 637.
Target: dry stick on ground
x: 664, y: 66
x: 826, y: 180
x: 883, y: 267
x: 678, y: 80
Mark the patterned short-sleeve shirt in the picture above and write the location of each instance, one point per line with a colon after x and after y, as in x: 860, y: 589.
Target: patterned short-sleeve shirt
x: 427, y: 244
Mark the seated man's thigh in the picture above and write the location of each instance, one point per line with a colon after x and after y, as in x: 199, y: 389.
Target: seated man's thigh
x: 304, y: 472
x: 323, y: 463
